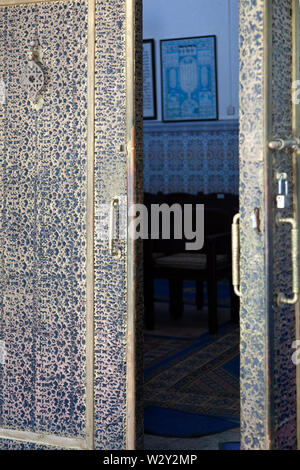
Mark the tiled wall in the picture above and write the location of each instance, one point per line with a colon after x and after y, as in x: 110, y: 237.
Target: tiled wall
x: 191, y: 157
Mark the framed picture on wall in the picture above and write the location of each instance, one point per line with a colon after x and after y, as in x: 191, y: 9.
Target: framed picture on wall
x: 149, y: 85
x: 189, y: 79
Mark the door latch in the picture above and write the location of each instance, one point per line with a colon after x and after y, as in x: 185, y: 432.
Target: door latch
x: 291, y: 143
x: 33, y: 75
x: 114, y: 227
x: 235, y: 251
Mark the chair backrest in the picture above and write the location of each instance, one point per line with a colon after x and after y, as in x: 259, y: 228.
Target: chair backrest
x: 216, y: 221
x: 225, y: 201
x: 218, y: 227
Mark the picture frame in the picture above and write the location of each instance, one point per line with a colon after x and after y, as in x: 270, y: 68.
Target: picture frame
x: 149, y: 80
x: 189, y: 82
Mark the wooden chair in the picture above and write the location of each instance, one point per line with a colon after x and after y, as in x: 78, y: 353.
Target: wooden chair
x: 168, y: 259
x: 229, y: 203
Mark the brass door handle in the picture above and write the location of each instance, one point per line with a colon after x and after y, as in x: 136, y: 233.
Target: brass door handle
x: 282, y: 299
x: 235, y: 251
x: 114, y: 227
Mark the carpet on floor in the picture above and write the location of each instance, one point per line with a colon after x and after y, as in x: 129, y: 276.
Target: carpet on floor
x: 192, y: 384
x: 172, y: 423
x: 230, y: 446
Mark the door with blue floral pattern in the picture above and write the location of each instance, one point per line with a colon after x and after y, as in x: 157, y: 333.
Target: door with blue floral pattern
x: 268, y: 224
x: 66, y: 135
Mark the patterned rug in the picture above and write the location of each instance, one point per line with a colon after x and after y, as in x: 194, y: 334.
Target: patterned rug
x: 172, y: 423
x: 230, y: 446
x: 198, y: 375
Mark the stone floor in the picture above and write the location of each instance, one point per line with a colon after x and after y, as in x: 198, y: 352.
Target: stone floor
x: 200, y: 443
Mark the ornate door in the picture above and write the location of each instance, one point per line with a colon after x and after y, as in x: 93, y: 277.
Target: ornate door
x: 268, y: 223
x: 67, y: 142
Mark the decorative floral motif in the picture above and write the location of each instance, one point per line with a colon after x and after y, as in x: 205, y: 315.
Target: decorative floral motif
x: 254, y: 323
x: 284, y: 385
x: 43, y: 217
x: 110, y: 273
x: 268, y: 400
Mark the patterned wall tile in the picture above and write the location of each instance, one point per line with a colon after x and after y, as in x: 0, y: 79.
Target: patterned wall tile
x: 191, y: 158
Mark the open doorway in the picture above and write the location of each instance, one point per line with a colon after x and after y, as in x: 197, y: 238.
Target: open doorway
x: 191, y: 357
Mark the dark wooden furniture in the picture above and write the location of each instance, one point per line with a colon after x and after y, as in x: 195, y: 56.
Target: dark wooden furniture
x: 168, y: 259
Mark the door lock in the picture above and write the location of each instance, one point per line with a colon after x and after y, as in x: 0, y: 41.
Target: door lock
x: 283, y: 190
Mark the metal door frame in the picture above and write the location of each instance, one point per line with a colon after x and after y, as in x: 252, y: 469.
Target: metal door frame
x: 296, y: 169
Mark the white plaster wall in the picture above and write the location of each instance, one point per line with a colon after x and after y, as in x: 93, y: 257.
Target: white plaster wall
x: 167, y: 19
